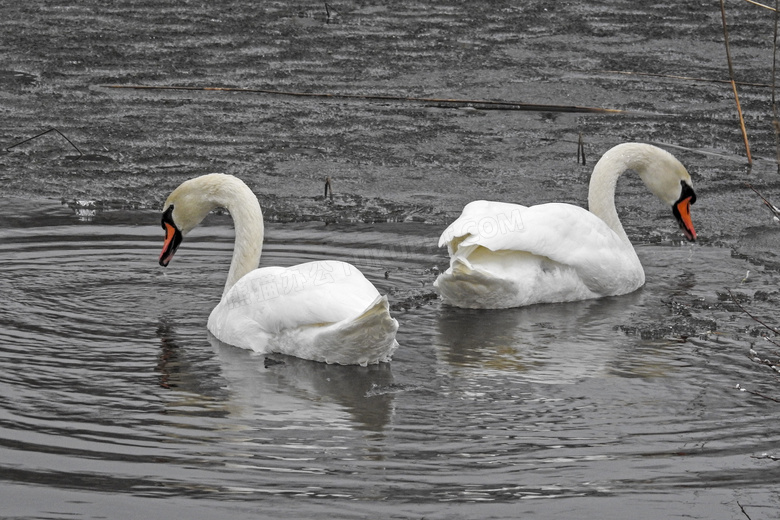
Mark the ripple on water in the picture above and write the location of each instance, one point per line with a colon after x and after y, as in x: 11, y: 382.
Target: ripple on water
x: 112, y: 383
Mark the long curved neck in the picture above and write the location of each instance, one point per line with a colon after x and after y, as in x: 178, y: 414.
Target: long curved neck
x: 248, y: 222
x: 601, y: 193
x: 232, y: 194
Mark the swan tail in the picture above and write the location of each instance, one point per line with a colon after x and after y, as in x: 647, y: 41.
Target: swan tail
x: 505, y: 279
x: 365, y: 340
x: 467, y: 286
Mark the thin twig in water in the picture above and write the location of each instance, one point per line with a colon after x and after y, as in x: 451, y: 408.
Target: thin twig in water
x: 774, y: 209
x: 734, y: 84
x: 328, y: 188
x: 766, y: 456
x: 724, y: 156
x: 484, y: 104
x: 44, y: 133
x: 775, y: 121
x: 773, y: 342
x: 757, y: 394
x: 685, y: 78
x: 581, y: 150
x: 743, y: 511
x: 753, y: 317
x: 762, y: 5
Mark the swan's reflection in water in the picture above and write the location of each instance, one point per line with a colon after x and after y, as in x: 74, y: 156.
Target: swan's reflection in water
x: 189, y: 371
x: 289, y: 386
x: 549, y: 343
x: 273, y: 387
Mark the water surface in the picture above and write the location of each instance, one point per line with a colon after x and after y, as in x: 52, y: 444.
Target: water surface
x: 115, y: 396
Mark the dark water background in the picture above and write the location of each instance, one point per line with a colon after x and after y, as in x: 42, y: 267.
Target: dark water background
x: 114, y: 398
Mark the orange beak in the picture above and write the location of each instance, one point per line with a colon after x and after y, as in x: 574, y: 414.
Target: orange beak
x: 172, y: 241
x: 682, y: 211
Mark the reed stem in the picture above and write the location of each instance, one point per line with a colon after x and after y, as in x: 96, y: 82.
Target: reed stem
x: 734, y: 84
x: 482, y: 103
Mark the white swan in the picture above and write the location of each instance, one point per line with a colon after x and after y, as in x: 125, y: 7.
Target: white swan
x: 506, y: 255
x: 322, y: 311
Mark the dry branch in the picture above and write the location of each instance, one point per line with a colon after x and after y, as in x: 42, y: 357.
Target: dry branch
x: 757, y: 394
x: 762, y: 5
x: 328, y: 188
x: 774, y: 209
x: 775, y: 121
x: 733, y: 83
x: 686, y: 78
x: 482, y: 103
x: 743, y: 510
x: 756, y: 320
x: 42, y: 134
x: 753, y: 317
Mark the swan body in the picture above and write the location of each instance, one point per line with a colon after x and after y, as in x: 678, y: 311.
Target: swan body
x: 322, y: 311
x: 507, y: 255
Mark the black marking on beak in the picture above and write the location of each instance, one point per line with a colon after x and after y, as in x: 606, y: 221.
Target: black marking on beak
x: 173, y: 237
x: 682, y: 211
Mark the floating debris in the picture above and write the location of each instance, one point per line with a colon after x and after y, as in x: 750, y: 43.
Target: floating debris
x: 84, y: 209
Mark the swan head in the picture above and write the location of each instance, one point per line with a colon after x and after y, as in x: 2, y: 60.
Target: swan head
x: 668, y: 179
x: 184, y: 209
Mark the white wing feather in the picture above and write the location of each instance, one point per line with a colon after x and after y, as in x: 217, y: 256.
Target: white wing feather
x: 324, y: 311
x: 548, y: 252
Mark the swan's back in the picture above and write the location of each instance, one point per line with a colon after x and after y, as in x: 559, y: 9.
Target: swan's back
x: 324, y: 311
x: 312, y: 292
x: 507, y: 255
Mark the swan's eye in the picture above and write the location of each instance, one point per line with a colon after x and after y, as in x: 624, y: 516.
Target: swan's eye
x: 167, y: 217
x: 687, y: 192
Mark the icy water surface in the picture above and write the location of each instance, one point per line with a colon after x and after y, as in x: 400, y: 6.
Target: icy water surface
x: 114, y: 396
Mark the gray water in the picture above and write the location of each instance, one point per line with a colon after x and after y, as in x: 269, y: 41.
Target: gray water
x: 114, y: 397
